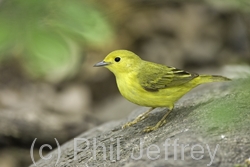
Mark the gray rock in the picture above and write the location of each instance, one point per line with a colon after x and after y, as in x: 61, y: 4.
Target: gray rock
x: 209, y: 124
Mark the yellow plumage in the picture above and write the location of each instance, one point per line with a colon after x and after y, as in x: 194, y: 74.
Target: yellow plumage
x: 150, y: 84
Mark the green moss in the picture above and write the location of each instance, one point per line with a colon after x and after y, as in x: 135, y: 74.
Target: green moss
x: 231, y: 112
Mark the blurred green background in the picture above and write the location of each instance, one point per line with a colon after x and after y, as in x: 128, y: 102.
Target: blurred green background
x: 48, y: 38
x: 48, y: 86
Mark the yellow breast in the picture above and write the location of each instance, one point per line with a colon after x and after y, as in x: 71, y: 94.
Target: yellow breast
x: 130, y: 88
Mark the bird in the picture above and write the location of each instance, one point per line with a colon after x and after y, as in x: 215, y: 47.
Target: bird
x: 150, y: 84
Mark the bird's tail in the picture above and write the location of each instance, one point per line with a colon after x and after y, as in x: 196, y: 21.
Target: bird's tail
x: 212, y: 78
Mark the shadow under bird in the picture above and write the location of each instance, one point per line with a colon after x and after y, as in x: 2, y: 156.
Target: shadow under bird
x: 150, y: 84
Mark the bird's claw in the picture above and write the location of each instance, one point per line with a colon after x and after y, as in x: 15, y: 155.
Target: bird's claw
x: 127, y: 125
x: 138, y: 119
x: 152, y: 128
x: 141, y: 117
x: 149, y: 129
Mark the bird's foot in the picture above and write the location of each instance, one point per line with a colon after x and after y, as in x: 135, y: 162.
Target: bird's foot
x: 127, y: 125
x: 149, y: 129
x: 152, y: 128
x: 138, y: 119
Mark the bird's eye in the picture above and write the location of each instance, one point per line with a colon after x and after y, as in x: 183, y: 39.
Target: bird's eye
x: 117, y: 59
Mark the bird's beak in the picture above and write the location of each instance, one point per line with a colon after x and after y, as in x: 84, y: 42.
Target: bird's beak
x: 102, y: 63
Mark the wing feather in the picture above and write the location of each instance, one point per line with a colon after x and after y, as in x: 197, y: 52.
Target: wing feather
x: 153, y: 77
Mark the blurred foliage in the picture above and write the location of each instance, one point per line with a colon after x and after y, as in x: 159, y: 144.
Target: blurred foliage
x: 241, y: 5
x: 49, y: 35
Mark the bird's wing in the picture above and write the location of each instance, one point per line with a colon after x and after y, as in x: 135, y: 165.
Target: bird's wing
x: 155, y: 77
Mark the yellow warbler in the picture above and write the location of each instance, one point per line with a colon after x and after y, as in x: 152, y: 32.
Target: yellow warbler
x: 150, y: 84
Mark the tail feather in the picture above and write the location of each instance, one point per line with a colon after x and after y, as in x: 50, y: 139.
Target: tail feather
x: 212, y: 78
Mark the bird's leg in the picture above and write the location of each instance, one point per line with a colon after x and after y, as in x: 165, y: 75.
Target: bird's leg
x: 160, y: 123
x: 138, y: 119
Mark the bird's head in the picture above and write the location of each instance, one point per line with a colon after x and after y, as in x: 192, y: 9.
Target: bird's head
x: 120, y: 61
